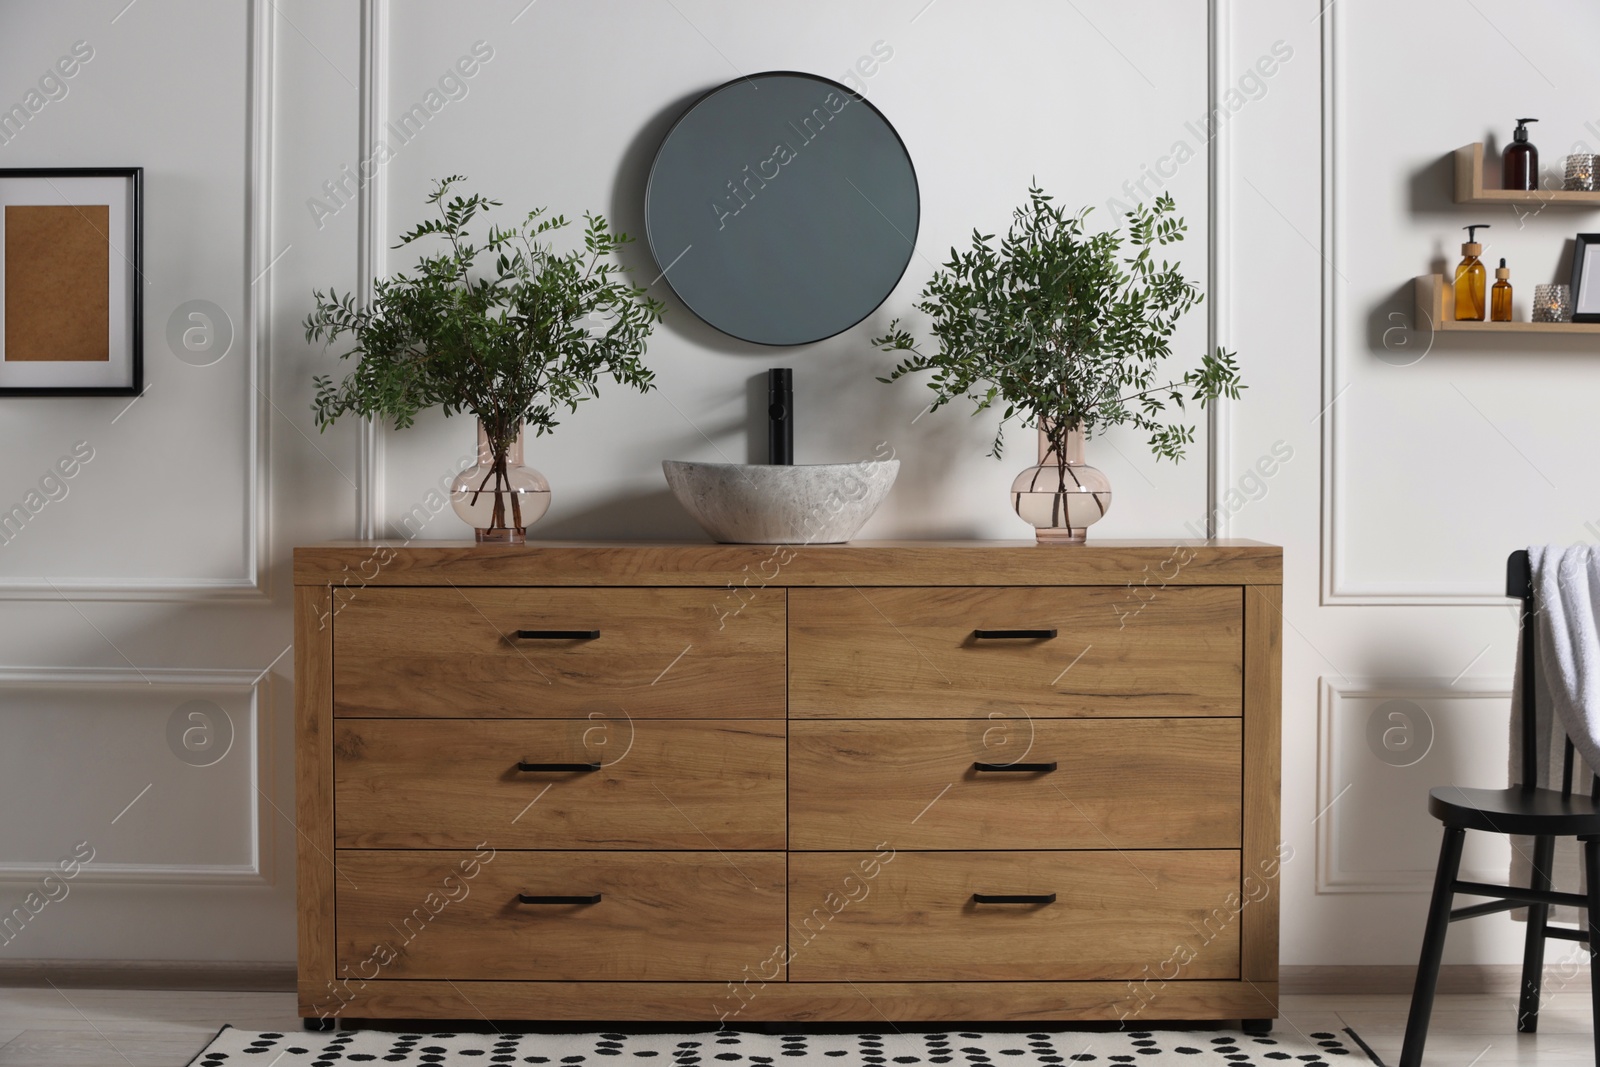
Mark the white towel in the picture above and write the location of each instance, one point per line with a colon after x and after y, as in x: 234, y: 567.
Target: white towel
x: 1566, y: 583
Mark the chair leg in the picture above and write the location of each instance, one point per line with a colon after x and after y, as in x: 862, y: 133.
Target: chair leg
x: 1433, y: 946
x: 1544, y: 849
x: 1591, y: 877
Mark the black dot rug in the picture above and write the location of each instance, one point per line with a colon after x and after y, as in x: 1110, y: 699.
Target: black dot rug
x: 1152, y: 1048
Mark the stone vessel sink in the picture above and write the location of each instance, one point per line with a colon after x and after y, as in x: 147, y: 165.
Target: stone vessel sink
x: 763, y: 504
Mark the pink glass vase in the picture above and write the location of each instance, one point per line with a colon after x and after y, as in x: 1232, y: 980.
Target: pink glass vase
x: 499, y: 497
x: 1062, y: 496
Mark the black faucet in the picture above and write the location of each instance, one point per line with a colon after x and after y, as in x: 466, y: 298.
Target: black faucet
x: 780, y: 416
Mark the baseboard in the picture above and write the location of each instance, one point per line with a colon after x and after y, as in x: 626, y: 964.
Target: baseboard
x: 280, y: 977
x: 1453, y: 978
x: 150, y: 974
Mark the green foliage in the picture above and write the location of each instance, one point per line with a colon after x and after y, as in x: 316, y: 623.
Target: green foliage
x: 512, y: 345
x: 1063, y: 331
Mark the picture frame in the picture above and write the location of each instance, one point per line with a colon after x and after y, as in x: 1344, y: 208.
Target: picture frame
x: 71, y: 281
x: 1586, y: 278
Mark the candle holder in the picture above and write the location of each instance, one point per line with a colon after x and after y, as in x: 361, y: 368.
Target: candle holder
x: 1552, y: 303
x: 1580, y: 173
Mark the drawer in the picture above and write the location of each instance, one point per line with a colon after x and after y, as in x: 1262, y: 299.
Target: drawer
x: 659, y: 783
x: 1116, y: 916
x: 661, y: 916
x: 1117, y: 783
x: 914, y: 653
x: 662, y: 653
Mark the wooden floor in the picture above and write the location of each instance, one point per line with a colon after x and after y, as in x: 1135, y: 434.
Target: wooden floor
x: 125, y: 1028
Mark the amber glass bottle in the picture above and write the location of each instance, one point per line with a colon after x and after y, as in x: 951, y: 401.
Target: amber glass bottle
x: 1471, y: 278
x: 1500, y: 295
x: 1519, y: 164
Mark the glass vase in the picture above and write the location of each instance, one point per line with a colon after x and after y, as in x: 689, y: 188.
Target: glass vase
x: 1062, y: 496
x: 1552, y: 303
x: 499, y: 497
x: 1580, y: 176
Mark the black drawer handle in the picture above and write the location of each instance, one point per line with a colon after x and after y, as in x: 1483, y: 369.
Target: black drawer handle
x: 529, y: 898
x: 1020, y: 768
x: 1013, y: 898
x: 1014, y: 635
x: 557, y: 635
x: 522, y: 766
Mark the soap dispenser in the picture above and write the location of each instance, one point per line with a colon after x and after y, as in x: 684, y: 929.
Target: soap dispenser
x: 1470, y: 277
x: 1500, y: 295
x: 1519, y: 165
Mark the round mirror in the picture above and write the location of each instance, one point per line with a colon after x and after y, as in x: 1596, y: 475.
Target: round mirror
x: 782, y: 208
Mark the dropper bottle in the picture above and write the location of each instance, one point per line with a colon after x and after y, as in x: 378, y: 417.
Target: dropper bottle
x: 1500, y: 295
x: 1471, y: 277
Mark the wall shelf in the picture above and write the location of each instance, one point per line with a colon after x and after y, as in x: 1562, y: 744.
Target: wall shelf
x: 1470, y: 188
x: 1436, y: 307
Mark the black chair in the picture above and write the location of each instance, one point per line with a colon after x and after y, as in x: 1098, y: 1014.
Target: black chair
x: 1544, y: 815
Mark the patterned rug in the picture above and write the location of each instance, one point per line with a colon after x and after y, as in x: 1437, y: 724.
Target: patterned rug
x: 1153, y: 1048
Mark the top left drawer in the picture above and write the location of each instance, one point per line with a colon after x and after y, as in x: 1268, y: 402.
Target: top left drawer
x: 558, y: 653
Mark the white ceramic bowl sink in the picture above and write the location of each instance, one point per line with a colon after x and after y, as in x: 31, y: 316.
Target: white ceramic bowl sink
x: 760, y: 504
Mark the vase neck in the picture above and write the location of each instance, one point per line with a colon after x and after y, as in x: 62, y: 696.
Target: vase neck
x: 486, y: 449
x: 1074, y: 448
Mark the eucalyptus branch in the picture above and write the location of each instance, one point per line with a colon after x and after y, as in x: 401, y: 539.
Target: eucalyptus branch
x: 1063, y: 329
x: 504, y: 344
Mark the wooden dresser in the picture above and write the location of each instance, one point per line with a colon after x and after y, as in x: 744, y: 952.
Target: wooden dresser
x: 909, y: 781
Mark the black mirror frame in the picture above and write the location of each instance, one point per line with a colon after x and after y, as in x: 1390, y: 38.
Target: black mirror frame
x: 854, y: 95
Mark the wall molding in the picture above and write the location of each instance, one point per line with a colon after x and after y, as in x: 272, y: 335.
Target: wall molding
x: 254, y: 585
x: 259, y: 687
x: 372, y: 248
x: 1338, y: 585
x: 258, y: 291
x: 1219, y: 262
x: 1330, y: 693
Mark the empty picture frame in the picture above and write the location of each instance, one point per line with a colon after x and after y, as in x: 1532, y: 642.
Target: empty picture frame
x: 71, y: 270
x: 1586, y: 278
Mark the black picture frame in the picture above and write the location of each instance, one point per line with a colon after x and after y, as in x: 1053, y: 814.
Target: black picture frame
x: 1581, y: 261
x: 133, y: 257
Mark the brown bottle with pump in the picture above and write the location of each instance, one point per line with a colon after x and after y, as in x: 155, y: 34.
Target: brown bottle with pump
x: 1519, y: 165
x: 1470, y: 278
x: 1500, y: 295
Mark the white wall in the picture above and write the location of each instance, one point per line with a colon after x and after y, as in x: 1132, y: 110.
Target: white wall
x: 162, y: 578
x: 1033, y: 115
x: 1420, y: 460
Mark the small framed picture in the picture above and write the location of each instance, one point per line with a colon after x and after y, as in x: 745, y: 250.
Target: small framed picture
x: 1586, y: 278
x: 71, y: 281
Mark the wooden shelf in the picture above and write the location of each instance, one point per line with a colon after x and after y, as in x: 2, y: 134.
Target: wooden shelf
x: 1470, y: 188
x: 1436, y: 308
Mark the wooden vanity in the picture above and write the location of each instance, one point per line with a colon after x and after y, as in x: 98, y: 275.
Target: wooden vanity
x: 909, y: 781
